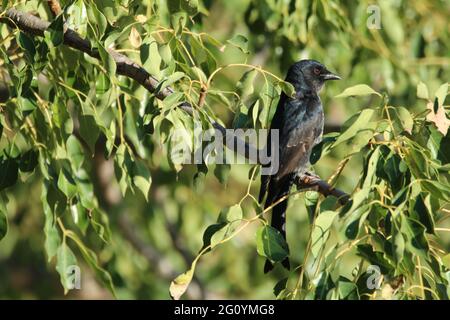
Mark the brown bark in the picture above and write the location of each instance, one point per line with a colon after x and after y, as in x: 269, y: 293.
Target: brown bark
x: 54, y: 7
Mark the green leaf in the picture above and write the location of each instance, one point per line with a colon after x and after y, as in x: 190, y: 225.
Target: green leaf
x: 358, y: 90
x: 56, y: 30
x: 209, y: 233
x: 27, y: 44
x: 165, y: 53
x: 180, y: 284
x: 321, y: 231
x: 67, y: 184
x: 437, y: 189
x: 123, y: 169
x: 423, y: 212
x: 96, y: 19
x: 80, y: 216
x: 60, y: 115
x: 75, y: 152
x: 3, y: 222
x: 65, y: 261
x: 422, y: 91
x: 174, y: 77
x: 8, y: 172
x: 271, y: 244
x: 255, y: 111
x: 446, y: 261
x: 360, y: 140
x: 222, y: 172
x: 375, y: 258
x: 142, y: 178
x: 356, y: 219
x: 415, y: 236
x: 405, y: 118
x: 23, y: 85
x: 222, y: 234
x: 100, y: 223
x: 287, y: 88
x: 244, y: 86
x: 347, y: 290
x: 441, y: 93
x: 108, y: 61
x: 230, y: 214
x: 438, y: 145
x: 311, y: 201
x: 89, y: 131
x: 324, y: 286
x: 268, y: 94
x: 150, y: 57
x: 227, y: 222
x: 170, y: 102
x: 240, y: 42
x: 398, y: 246
x: 355, y: 124
x: 27, y: 106
x: 91, y: 259
x: 188, y: 6
x: 389, y: 168
x: 280, y: 287
x: 323, y: 147
x: 370, y: 170
x: 178, y: 21
x: 56, y: 199
x: 29, y: 161
x: 52, y: 238
x: 197, y: 73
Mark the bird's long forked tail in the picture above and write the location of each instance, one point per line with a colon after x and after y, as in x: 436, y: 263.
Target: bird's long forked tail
x: 278, y: 220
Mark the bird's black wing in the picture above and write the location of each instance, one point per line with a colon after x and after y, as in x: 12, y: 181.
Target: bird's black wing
x: 296, y: 146
x: 300, y: 123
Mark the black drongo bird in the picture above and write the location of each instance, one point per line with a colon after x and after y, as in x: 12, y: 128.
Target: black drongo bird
x: 300, y: 121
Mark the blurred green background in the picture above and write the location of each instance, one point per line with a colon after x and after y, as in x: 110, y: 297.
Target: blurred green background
x: 154, y: 241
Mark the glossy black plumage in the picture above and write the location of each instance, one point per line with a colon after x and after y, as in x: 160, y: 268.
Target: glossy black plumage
x: 300, y: 123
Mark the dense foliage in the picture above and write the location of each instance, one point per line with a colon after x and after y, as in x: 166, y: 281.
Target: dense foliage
x: 87, y: 178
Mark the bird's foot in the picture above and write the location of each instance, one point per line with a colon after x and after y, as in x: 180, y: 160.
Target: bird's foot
x: 309, y: 177
x: 311, y: 174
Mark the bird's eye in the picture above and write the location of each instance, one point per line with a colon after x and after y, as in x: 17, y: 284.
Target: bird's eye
x: 316, y: 71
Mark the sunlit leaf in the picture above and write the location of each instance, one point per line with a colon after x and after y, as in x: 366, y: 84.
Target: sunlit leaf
x: 354, y: 125
x: 321, y: 231
x: 65, y: 261
x: 271, y: 244
x: 422, y: 91
x: 358, y: 90
x: 180, y: 284
x: 135, y: 38
x: 240, y: 42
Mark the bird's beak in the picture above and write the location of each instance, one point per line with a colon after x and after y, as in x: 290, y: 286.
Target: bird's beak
x: 330, y: 76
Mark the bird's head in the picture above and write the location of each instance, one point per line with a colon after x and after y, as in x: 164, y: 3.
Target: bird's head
x: 309, y: 74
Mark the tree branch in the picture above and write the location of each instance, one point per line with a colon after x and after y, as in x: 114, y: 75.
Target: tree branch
x: 54, y: 7
x: 309, y: 181
x: 126, y: 67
